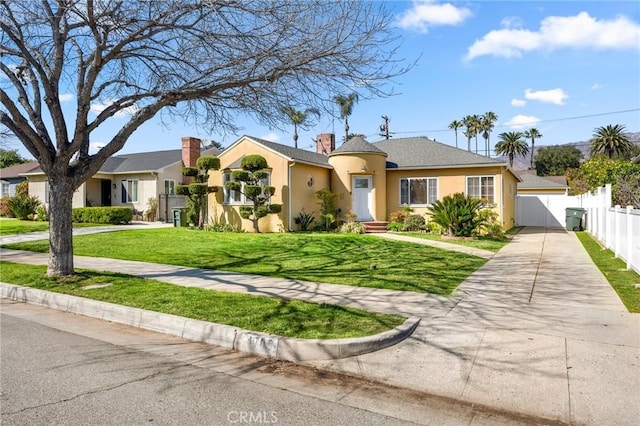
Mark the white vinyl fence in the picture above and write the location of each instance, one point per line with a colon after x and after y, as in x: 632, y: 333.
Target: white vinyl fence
x: 617, y: 228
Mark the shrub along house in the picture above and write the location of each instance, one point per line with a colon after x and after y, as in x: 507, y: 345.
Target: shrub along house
x: 371, y: 180
x: 131, y: 179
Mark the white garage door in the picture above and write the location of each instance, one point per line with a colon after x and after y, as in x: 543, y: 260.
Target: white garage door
x: 548, y: 211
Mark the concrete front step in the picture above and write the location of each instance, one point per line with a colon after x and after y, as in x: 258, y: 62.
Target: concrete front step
x: 377, y: 226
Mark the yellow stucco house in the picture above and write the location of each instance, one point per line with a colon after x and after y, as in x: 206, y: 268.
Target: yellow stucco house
x: 372, y: 180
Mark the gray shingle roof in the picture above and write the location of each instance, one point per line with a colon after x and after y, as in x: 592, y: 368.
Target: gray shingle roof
x: 357, y: 145
x: 142, y: 161
x: 532, y: 181
x: 18, y: 169
x: 422, y: 152
x: 294, y: 153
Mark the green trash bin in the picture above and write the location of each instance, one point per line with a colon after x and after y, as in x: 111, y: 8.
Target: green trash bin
x: 574, y: 218
x: 179, y: 216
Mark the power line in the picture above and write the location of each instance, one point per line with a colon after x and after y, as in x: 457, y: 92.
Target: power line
x: 535, y: 122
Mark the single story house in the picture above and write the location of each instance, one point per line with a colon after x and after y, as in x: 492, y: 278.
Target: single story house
x: 371, y: 180
x: 13, y: 175
x: 132, y: 179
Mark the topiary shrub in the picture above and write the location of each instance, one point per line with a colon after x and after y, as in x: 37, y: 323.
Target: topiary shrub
x: 414, y: 223
x: 110, y: 215
x: 23, y: 207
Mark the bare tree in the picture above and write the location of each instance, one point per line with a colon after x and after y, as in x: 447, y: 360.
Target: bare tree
x: 200, y: 60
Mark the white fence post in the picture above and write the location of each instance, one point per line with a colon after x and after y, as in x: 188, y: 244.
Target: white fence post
x: 617, y: 219
x: 630, y: 236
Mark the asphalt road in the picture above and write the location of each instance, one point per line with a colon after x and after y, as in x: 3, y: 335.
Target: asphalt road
x: 62, y: 369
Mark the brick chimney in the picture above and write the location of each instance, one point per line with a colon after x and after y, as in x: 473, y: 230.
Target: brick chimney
x: 325, y: 143
x: 190, y: 153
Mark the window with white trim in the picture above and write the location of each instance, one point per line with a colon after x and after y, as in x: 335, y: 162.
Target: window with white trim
x: 236, y: 197
x: 6, y: 189
x: 129, y: 191
x: 169, y: 186
x: 481, y: 188
x: 418, y: 191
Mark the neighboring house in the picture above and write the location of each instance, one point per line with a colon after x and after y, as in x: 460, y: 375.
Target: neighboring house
x: 131, y: 179
x: 533, y: 184
x: 11, y: 176
x: 372, y: 180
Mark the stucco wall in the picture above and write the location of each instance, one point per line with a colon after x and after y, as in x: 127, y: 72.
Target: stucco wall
x: 345, y: 166
x: 303, y: 196
x: 454, y: 180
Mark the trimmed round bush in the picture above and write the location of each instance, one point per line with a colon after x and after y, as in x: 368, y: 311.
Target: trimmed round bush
x: 414, y: 222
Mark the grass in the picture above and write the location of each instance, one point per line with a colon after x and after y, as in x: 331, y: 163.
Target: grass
x: 614, y: 269
x: 484, y: 243
x: 318, y: 257
x: 291, y: 318
x: 9, y: 226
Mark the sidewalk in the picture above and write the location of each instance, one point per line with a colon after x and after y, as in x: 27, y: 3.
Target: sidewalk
x: 537, y: 330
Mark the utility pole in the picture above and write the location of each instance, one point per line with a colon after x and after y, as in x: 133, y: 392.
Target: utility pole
x: 384, y: 127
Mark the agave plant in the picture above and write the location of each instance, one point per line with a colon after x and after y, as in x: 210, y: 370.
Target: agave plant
x: 458, y: 214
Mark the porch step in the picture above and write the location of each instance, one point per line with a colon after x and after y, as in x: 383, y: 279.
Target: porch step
x: 377, y: 226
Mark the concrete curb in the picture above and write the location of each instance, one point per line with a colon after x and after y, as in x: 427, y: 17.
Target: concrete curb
x: 261, y: 344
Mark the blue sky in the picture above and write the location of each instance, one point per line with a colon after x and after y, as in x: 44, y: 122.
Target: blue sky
x: 534, y: 63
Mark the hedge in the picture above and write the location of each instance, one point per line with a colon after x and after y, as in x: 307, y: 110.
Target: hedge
x: 111, y: 215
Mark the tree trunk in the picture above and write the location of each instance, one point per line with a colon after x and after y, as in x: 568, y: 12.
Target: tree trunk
x: 60, y: 228
x: 533, y: 144
x: 255, y: 220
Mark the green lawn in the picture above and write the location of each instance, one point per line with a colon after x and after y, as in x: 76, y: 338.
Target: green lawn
x: 290, y: 318
x: 357, y: 260
x: 622, y: 280
x: 10, y: 226
x: 484, y: 243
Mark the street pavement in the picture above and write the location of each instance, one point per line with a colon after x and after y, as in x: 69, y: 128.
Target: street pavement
x: 537, y: 330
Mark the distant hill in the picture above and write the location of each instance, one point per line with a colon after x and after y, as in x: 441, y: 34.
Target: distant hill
x: 522, y: 162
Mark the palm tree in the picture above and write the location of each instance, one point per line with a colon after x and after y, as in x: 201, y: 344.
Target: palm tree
x: 346, y: 108
x: 610, y: 140
x: 511, y: 144
x: 472, y: 124
x: 486, y: 124
x: 455, y: 125
x: 532, y: 134
x: 299, y: 119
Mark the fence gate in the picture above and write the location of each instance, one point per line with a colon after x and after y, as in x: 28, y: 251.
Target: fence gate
x: 547, y: 211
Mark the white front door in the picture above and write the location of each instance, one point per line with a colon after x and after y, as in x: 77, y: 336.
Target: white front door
x: 361, y: 198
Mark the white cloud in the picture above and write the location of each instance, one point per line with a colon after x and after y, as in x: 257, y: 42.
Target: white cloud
x: 271, y: 137
x: 596, y: 86
x: 522, y: 121
x: 512, y: 22
x: 553, y: 96
x: 557, y: 32
x: 518, y: 102
x: 65, y: 97
x: 427, y: 13
x: 98, y: 107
